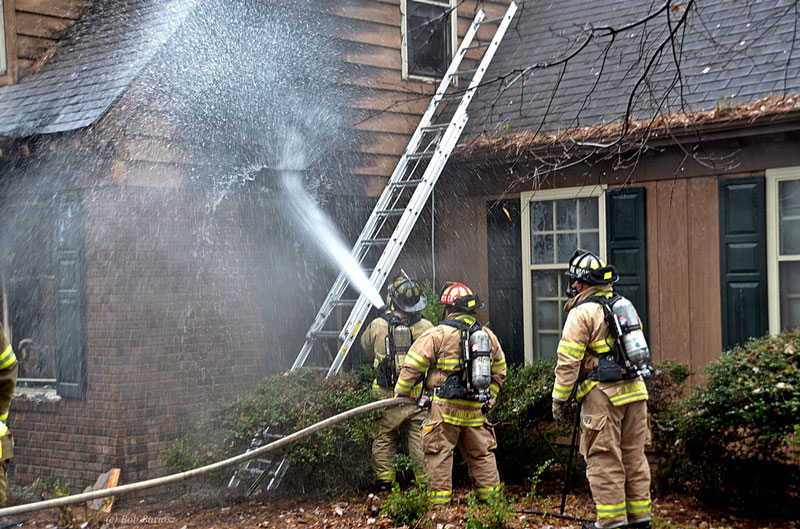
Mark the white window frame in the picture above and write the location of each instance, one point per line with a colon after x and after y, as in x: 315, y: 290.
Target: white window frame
x: 3, y: 47
x: 527, y: 268
x: 8, y: 35
x: 449, y: 4
x: 773, y: 177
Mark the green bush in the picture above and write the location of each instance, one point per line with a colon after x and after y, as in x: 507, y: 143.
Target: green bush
x: 734, y: 429
x: 334, y: 458
x: 434, y: 311
x: 522, y: 420
x: 407, y: 507
x: 494, y: 514
x: 665, y: 390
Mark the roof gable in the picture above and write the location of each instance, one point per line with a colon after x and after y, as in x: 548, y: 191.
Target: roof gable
x: 91, y: 68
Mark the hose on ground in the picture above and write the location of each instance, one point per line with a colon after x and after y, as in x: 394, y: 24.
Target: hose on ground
x: 181, y: 476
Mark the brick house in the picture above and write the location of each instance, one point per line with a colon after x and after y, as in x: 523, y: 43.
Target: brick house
x: 152, y: 271
x: 150, y: 258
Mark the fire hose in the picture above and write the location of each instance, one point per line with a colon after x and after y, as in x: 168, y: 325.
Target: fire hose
x: 181, y: 476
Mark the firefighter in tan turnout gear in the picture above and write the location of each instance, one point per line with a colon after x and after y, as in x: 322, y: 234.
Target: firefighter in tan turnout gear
x: 463, y: 367
x: 8, y: 381
x: 602, y: 358
x: 388, y: 337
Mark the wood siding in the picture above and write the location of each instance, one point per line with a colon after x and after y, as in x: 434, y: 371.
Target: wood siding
x: 393, y: 106
x: 39, y: 24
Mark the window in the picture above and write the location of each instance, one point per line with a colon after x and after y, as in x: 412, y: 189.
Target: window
x: 7, y: 36
x: 3, y: 58
x: 554, y: 224
x: 429, y: 37
x: 42, y: 294
x: 783, y: 248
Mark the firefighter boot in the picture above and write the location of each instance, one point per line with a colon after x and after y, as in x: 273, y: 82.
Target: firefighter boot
x: 639, y: 525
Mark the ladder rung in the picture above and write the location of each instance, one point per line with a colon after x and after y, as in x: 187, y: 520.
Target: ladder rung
x: 420, y: 155
x: 407, y: 183
x: 491, y: 20
x: 325, y: 334
x: 345, y: 302
x: 376, y: 242
x: 440, y: 126
x: 477, y: 46
x: 390, y: 212
x: 464, y: 72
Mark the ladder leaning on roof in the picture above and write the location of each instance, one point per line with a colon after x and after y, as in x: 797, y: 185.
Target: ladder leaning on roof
x: 408, y: 189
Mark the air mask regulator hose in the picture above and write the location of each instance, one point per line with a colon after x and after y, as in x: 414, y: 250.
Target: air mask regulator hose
x: 181, y: 476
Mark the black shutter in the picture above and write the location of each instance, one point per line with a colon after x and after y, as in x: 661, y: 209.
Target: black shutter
x: 627, y: 248
x: 743, y: 259
x: 70, y: 336
x: 505, y: 276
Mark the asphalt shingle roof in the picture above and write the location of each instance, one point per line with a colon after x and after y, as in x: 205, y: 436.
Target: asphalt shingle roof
x: 91, y: 68
x: 732, y: 51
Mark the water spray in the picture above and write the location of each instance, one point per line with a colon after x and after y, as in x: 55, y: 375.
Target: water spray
x: 316, y: 223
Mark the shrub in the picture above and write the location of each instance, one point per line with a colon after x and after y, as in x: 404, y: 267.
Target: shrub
x: 665, y: 389
x: 407, y: 507
x: 334, y: 458
x: 734, y: 430
x: 522, y: 419
x: 494, y: 514
x: 434, y: 312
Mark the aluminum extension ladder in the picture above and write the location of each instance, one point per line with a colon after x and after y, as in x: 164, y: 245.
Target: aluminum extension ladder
x: 259, y: 469
x: 407, y: 190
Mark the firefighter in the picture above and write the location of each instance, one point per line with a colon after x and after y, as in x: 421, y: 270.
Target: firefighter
x: 388, y: 338
x: 462, y: 388
x: 8, y: 381
x: 613, y: 413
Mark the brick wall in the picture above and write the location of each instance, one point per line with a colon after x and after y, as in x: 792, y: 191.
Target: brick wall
x: 173, y: 323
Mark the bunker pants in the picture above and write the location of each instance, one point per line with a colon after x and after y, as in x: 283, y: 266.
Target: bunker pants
x: 476, y: 444
x: 612, y: 442
x: 384, y: 443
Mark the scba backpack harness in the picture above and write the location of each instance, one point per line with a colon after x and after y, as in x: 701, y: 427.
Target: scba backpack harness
x: 398, y: 341
x: 629, y: 354
x: 477, y: 360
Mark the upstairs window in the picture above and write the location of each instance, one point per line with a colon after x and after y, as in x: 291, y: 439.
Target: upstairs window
x: 429, y: 37
x: 3, y: 58
x: 7, y: 49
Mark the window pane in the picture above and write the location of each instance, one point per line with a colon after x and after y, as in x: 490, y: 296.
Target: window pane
x: 566, y: 215
x: 790, y: 294
x: 566, y: 243
x: 548, y: 344
x: 547, y: 316
x: 587, y: 211
x: 541, y: 216
x: 590, y: 241
x: 542, y: 249
x: 428, y: 49
x: 545, y: 284
x: 789, y: 215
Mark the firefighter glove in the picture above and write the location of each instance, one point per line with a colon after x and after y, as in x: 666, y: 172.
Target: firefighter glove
x: 559, y: 411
